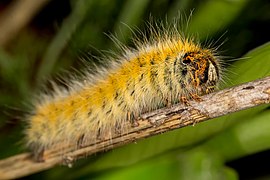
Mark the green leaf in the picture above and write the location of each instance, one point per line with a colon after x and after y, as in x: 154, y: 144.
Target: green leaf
x: 211, y: 16
x: 254, y: 65
x: 248, y: 137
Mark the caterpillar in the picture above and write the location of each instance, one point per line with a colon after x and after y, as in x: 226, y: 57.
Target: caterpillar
x: 164, y: 69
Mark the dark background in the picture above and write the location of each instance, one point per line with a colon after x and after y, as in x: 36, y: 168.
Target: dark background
x: 53, y: 39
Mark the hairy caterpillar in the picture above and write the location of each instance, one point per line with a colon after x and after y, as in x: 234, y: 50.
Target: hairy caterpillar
x: 165, y: 69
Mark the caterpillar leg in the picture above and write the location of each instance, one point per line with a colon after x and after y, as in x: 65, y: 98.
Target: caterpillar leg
x: 210, y: 89
x: 129, y: 116
x: 38, y: 156
x: 80, y: 141
x: 184, y: 100
x: 196, y: 97
x: 132, y: 118
x: 169, y: 102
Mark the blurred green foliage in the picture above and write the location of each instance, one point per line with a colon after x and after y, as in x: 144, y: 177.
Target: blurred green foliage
x: 51, y: 44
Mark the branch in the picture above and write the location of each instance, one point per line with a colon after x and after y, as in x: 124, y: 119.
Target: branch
x: 212, y: 105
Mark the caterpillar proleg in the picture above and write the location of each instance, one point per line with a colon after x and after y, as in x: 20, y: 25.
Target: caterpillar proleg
x: 163, y: 70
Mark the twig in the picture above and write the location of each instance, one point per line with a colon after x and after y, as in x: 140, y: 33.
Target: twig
x: 16, y: 16
x: 213, y: 105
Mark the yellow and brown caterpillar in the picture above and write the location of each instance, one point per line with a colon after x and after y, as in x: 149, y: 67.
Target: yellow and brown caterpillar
x: 165, y: 69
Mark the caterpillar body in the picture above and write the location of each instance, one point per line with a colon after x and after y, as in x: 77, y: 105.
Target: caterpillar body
x: 163, y: 70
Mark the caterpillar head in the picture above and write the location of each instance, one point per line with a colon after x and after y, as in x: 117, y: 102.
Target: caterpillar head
x: 202, y: 69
